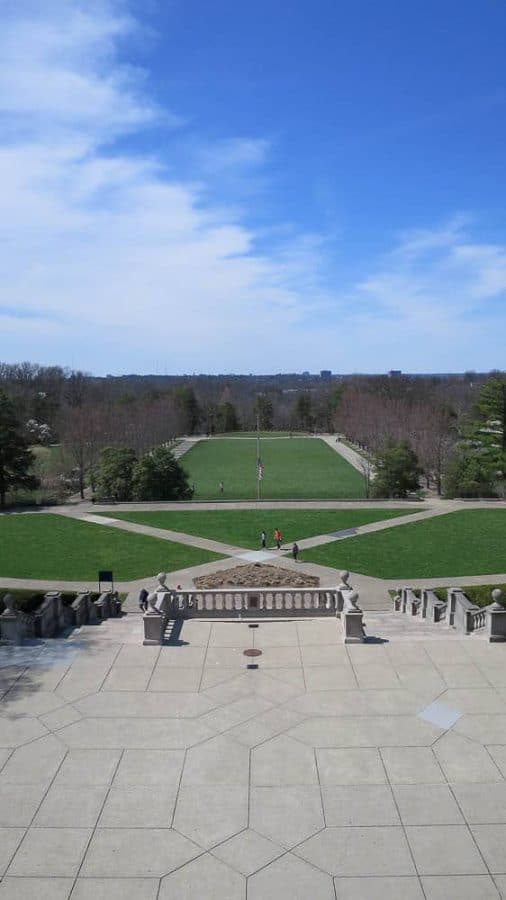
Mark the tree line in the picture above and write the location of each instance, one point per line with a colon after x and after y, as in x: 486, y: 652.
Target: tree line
x: 454, y: 425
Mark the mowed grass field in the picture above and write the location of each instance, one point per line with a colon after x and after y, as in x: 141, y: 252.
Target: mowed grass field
x: 242, y: 527
x: 52, y: 547
x: 471, y: 542
x: 294, y: 468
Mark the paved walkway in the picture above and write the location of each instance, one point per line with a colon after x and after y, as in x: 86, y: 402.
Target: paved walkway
x: 330, y: 771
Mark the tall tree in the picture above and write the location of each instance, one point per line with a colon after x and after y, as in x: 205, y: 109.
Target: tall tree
x: 264, y: 410
x: 187, y: 403
x: 303, y: 411
x: 397, y: 470
x: 16, y: 459
x: 159, y: 476
x: 113, y: 474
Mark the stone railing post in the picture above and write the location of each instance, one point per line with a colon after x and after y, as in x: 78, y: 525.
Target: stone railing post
x: 496, y: 619
x: 11, y: 627
x: 352, y: 619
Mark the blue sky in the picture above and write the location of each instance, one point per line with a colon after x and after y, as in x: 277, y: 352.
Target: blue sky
x: 233, y: 187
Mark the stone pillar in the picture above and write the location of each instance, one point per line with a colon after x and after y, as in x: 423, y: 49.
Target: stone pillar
x: 496, y: 619
x: 11, y: 628
x: 352, y: 619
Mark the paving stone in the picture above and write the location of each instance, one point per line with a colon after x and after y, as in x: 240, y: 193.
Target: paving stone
x: 283, y: 761
x: 37, y: 763
x: 217, y: 761
x: 136, y: 852
x: 359, y: 805
x: 264, y: 726
x: 88, y: 768
x: 332, y: 655
x: 10, y: 838
x: 235, y: 713
x: 463, y: 760
x: 485, y: 729
x: 474, y: 700
x: 498, y: 755
x: 491, y: 840
x: 459, y: 887
x: 400, y: 888
x: 383, y: 676
x: 66, y: 715
x: 359, y: 851
x: 447, y: 653
x: 319, y: 632
x: 134, y: 733
x: 36, y: 888
x: 133, y: 657
x: 16, y: 732
x: 482, y: 803
x: 290, y: 878
x: 182, y: 657
x: 196, y: 632
x: 233, y: 634
x: 135, y: 807
x: 50, y: 852
x: 421, y: 678
x: 144, y: 705
x: 220, y: 881
x: 286, y: 815
x: 462, y: 675
x: 44, y: 678
x: 330, y: 678
x: 115, y: 889
x: 500, y: 881
x: 4, y: 756
x: 407, y: 653
x: 150, y: 768
x: 211, y: 814
x: 372, y: 731
x: 122, y: 679
x: 344, y: 766
x: 275, y: 634
x: 19, y: 803
x: 279, y: 657
x: 225, y: 657
x: 66, y: 807
x: 267, y: 684
x: 427, y: 804
x: 21, y: 701
x: 444, y: 850
x: 248, y: 851
x: 168, y: 678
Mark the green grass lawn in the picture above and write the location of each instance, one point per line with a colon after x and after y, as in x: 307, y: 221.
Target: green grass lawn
x: 471, y: 542
x: 52, y: 547
x: 295, y: 468
x: 242, y: 527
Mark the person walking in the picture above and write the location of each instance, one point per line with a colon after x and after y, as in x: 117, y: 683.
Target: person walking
x: 222, y: 487
x: 263, y: 540
x: 295, y: 551
x: 277, y: 538
x: 143, y: 600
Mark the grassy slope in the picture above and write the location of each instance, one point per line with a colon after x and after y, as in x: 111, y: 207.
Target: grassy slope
x: 471, y: 542
x: 242, y: 527
x: 52, y: 547
x: 293, y: 468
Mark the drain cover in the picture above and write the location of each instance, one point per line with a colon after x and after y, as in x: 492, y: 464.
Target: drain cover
x: 252, y: 666
x: 252, y: 652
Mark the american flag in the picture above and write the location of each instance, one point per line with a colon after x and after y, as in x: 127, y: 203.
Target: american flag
x: 260, y: 469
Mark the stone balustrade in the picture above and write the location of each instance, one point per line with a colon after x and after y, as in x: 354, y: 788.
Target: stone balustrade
x: 52, y: 616
x: 458, y: 611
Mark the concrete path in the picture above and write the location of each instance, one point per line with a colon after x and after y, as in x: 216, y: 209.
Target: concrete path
x: 348, y: 453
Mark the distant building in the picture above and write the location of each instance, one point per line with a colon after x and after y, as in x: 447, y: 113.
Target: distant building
x: 326, y: 374
x: 394, y: 373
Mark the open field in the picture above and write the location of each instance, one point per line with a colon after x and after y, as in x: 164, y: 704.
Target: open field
x: 51, y: 547
x: 471, y: 542
x: 242, y: 527
x: 296, y: 468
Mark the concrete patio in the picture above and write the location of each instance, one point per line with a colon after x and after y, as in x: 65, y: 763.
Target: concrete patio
x: 353, y: 772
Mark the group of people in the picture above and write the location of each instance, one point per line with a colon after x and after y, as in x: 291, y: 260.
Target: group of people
x: 278, y: 540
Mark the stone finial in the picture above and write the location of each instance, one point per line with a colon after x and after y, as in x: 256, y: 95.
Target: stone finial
x: 351, y: 601
x: 161, y: 578
x: 496, y: 599
x: 10, y: 604
x: 345, y: 581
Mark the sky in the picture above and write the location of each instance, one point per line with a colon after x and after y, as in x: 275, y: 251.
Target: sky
x: 192, y: 186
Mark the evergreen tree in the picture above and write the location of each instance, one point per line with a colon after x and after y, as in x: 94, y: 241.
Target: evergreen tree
x: 158, y: 476
x: 16, y: 458
x: 264, y: 410
x: 397, y: 470
x: 227, y: 419
x: 113, y: 474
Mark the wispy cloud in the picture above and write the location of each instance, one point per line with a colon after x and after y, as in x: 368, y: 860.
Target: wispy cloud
x: 113, y: 264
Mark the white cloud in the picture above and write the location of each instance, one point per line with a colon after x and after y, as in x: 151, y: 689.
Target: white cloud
x: 116, y: 266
